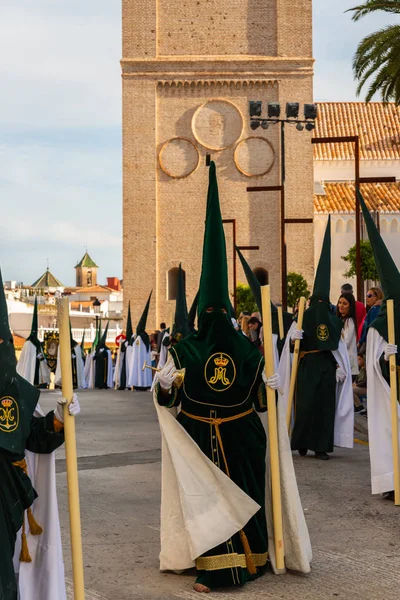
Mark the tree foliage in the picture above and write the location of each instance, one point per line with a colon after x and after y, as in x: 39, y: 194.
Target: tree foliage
x: 245, y: 299
x: 377, y: 58
x: 296, y: 288
x: 368, y: 267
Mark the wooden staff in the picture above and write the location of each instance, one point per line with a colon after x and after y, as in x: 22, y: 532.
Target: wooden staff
x: 280, y: 323
x: 70, y: 451
x: 295, y: 363
x: 394, y: 404
x: 273, y: 429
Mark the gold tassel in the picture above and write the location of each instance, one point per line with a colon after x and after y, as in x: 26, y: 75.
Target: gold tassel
x: 34, y: 527
x: 24, y: 554
x: 249, y: 559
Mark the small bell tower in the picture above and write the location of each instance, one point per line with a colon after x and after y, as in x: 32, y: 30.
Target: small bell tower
x: 86, y: 272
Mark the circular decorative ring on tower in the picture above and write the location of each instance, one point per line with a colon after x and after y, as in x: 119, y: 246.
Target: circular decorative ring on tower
x: 217, y: 124
x: 178, y: 157
x: 254, y: 156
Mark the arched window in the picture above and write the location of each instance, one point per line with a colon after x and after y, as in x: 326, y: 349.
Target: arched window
x: 350, y: 226
x: 89, y: 278
x: 394, y: 226
x: 262, y: 275
x: 339, y: 226
x: 172, y: 282
x: 383, y: 226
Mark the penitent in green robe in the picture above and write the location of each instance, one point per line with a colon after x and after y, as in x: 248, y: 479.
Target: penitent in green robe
x: 218, y: 389
x: 16, y: 491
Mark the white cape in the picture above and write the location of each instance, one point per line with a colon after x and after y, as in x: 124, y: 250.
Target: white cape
x: 344, y: 412
x: 379, y: 417
x: 43, y: 578
x: 140, y: 354
x: 27, y: 363
x: 201, y: 507
x: 88, y: 371
x: 80, y: 369
x: 163, y: 352
x: 128, y: 361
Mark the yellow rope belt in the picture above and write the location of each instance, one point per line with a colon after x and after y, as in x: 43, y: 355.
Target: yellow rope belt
x: 304, y: 352
x: 34, y: 528
x: 216, y: 422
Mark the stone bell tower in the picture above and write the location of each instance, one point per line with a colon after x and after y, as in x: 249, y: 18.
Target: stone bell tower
x: 189, y: 70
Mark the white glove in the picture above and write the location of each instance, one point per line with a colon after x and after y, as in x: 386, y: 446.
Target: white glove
x: 39, y: 356
x: 101, y: 350
x: 340, y: 375
x: 167, y: 376
x: 74, y: 408
x: 297, y: 334
x: 273, y: 382
x: 390, y: 350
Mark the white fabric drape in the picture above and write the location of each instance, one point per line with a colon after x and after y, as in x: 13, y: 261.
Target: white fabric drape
x: 140, y: 354
x: 350, y: 339
x: 27, y: 363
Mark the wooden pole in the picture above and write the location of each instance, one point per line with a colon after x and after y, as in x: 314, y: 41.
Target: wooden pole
x: 295, y: 363
x: 273, y: 429
x: 70, y: 451
x: 280, y: 323
x: 394, y: 404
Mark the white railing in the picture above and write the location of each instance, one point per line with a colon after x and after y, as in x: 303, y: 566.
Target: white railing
x: 77, y: 333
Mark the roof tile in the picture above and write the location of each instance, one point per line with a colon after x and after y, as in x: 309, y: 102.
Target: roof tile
x: 340, y: 197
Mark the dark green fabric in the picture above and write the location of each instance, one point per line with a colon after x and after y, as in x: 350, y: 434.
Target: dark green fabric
x: 83, y: 346
x: 129, y: 329
x: 322, y: 280
x: 101, y: 362
x: 244, y: 442
x: 214, y: 273
x: 17, y: 494
x: 315, y: 403
x: 192, y: 313
x: 255, y: 287
x: 180, y: 327
x: 141, y: 326
x: 389, y: 277
x: 33, y: 336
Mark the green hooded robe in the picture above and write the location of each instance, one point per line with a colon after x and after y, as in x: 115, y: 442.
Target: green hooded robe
x: 224, y: 380
x: 19, y: 430
x: 101, y: 362
x: 127, y: 343
x: 315, y: 397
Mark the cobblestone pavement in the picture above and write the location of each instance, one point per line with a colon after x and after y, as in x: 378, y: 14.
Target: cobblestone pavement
x: 355, y: 536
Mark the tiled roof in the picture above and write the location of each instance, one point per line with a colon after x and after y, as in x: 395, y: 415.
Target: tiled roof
x: 95, y: 289
x: 76, y: 304
x: 47, y: 280
x: 86, y: 261
x: 340, y: 197
x: 377, y: 124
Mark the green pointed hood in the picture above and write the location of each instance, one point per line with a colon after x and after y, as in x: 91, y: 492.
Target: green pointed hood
x: 214, y: 273
x: 181, y: 324
x: 193, y: 312
x: 129, y: 329
x: 103, y: 340
x: 141, y: 326
x: 33, y: 336
x: 73, y: 342
x: 389, y: 275
x: 255, y: 287
x: 97, y: 336
x: 83, y: 342
x: 322, y: 329
x: 8, y: 361
x: 322, y: 281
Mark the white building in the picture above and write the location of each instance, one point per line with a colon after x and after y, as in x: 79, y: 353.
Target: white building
x: 378, y: 128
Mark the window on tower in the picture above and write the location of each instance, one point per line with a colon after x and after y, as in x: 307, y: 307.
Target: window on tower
x: 172, y: 282
x: 262, y: 275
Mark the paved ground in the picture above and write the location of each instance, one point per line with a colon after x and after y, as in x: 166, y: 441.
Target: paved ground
x: 355, y: 537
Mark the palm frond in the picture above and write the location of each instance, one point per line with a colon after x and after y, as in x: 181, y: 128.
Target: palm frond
x: 371, y: 6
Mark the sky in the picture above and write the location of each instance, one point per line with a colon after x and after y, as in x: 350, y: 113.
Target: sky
x: 60, y: 127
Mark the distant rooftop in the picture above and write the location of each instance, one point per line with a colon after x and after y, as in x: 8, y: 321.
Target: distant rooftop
x: 339, y: 197
x: 86, y: 261
x: 47, y: 280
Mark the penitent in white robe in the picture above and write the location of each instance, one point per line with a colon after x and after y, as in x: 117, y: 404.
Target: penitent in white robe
x: 379, y: 417
x: 43, y: 578
x: 80, y: 368
x: 344, y: 413
x: 88, y: 371
x: 27, y: 364
x: 140, y: 354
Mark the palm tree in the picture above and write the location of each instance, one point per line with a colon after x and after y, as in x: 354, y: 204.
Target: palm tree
x: 378, y: 54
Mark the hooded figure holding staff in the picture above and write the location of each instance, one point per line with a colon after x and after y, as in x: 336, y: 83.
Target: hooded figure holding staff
x: 103, y: 378
x: 378, y: 355
x: 23, y: 432
x: 141, y: 353
x: 32, y: 364
x: 213, y: 507
x: 122, y: 376
x: 324, y: 413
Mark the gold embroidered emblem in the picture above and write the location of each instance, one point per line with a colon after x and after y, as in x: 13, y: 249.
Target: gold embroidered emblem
x: 220, y: 372
x: 9, y: 414
x: 322, y: 333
